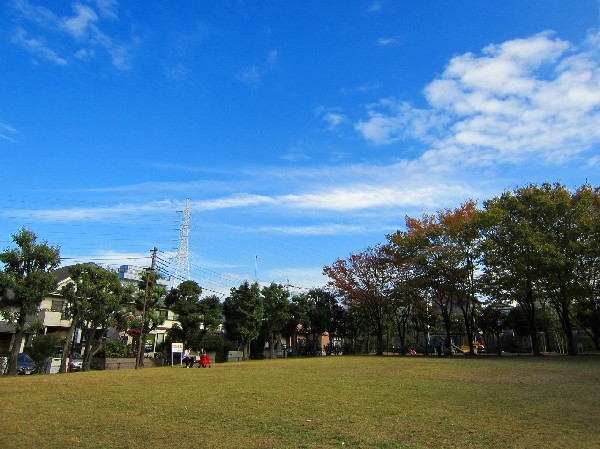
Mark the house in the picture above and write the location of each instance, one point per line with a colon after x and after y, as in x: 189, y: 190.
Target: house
x: 50, y: 320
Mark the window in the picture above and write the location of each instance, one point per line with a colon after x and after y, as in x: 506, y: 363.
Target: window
x: 57, y: 305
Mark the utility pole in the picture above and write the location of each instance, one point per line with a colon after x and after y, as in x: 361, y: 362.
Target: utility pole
x: 139, y: 361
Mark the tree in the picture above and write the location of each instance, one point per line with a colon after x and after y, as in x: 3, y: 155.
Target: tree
x: 150, y: 298
x: 441, y: 264
x: 587, y: 313
x: 320, y: 314
x: 76, y: 294
x: 25, y: 280
x: 363, y: 281
x: 244, y: 310
x: 211, y: 312
x: 571, y: 256
x: 276, y: 313
x: 493, y: 320
x: 408, y: 283
x: 542, y: 245
x: 298, y: 313
x: 512, y: 252
x: 102, y: 306
x: 184, y: 300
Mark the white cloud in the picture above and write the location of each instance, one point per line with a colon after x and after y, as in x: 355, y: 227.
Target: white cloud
x: 119, y: 212
x: 82, y: 29
x: 254, y: 74
x: 235, y: 201
x: 250, y: 76
x: 107, y: 8
x: 391, y: 121
x: 384, y: 41
x: 110, y: 258
x: 526, y: 98
x: 273, y: 57
x: 334, y: 119
x: 37, y: 46
x: 8, y: 132
x: 80, y: 24
x: 376, y: 6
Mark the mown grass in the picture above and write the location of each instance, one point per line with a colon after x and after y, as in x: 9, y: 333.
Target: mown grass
x: 326, y: 402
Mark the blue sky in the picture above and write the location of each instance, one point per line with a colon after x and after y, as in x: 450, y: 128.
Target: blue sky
x: 300, y: 131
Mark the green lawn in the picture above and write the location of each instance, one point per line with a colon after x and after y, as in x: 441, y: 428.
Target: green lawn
x: 325, y: 402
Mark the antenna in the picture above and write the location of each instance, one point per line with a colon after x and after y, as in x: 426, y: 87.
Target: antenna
x: 182, y: 269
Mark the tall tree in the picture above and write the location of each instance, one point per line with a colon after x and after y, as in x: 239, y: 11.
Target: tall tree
x: 184, y: 300
x: 363, y: 281
x: 76, y: 294
x: 571, y: 259
x: 587, y: 308
x: 320, y: 314
x: 298, y: 310
x: 542, y: 244
x: 493, y: 321
x: 211, y: 312
x: 276, y: 301
x: 512, y: 251
x: 407, y: 281
x: 441, y: 263
x: 25, y: 280
x: 244, y: 310
x: 150, y: 297
x: 102, y: 307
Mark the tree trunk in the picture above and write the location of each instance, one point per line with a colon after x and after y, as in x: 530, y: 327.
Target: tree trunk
x: 64, y: 363
x: 528, y: 307
x: 22, y: 321
x: 272, y: 347
x: 562, y: 310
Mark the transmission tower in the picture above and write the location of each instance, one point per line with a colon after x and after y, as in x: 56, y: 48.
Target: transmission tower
x: 182, y: 269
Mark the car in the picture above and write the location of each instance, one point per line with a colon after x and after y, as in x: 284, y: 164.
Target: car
x: 25, y: 365
x: 76, y: 362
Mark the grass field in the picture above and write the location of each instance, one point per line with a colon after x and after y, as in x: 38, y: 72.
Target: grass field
x: 325, y: 402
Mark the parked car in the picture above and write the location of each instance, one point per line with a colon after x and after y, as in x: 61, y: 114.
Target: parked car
x: 24, y: 364
x: 76, y: 362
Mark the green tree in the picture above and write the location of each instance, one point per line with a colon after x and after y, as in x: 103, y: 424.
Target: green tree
x: 76, y: 294
x: 493, y: 321
x: 571, y: 250
x: 184, y: 300
x: 320, y: 314
x: 102, y: 307
x: 150, y: 296
x: 25, y: 280
x: 42, y: 347
x: 276, y: 300
x: 211, y: 312
x: 298, y: 313
x: 512, y: 251
x: 244, y: 310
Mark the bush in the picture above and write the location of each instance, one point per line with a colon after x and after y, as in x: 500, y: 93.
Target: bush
x: 213, y: 342
x: 42, y: 347
x: 115, y: 348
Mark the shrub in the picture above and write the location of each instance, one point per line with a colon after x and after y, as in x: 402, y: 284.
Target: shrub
x: 115, y: 348
x: 42, y: 347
